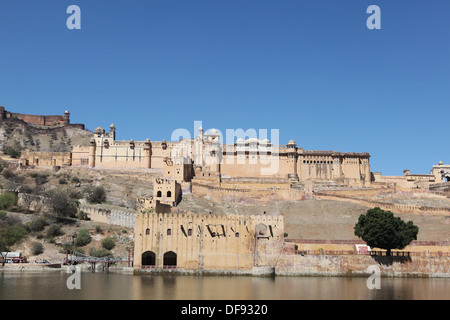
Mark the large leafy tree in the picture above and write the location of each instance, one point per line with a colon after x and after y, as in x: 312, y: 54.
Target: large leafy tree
x: 380, y: 229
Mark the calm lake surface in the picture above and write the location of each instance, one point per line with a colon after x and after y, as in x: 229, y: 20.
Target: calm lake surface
x: 52, y: 285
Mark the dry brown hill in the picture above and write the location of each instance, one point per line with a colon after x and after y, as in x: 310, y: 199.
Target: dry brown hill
x: 318, y: 219
x: 60, y: 138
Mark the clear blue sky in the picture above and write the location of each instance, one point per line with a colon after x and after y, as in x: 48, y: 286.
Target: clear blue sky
x: 311, y: 69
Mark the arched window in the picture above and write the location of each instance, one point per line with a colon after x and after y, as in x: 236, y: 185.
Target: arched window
x: 147, y: 231
x: 169, y: 232
x: 236, y: 234
x: 189, y: 232
x: 159, y: 194
x: 148, y: 259
x: 169, y: 194
x: 169, y: 259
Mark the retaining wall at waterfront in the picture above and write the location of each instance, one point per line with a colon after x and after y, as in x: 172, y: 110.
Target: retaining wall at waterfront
x: 357, y: 265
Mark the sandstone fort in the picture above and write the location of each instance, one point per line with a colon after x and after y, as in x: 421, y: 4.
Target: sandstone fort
x: 246, y: 167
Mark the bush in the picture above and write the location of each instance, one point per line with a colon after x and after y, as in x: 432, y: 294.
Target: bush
x: 62, y: 205
x: 38, y: 224
x: 37, y: 248
x: 26, y: 189
x: 108, y: 243
x: 40, y: 178
x: 11, y: 234
x: 83, y: 238
x: 8, y: 174
x: 75, y: 180
x: 97, y: 195
x: 54, y: 230
x: 15, y: 150
x: 99, y: 252
x: 83, y: 216
x: 7, y: 200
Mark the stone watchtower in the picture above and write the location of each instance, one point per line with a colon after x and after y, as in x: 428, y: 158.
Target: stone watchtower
x: 148, y: 153
x: 292, y: 160
x: 2, y: 113
x: 92, y: 147
x: 66, y: 117
x: 112, y: 131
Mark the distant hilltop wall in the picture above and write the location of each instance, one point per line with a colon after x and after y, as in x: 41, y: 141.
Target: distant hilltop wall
x: 40, y: 120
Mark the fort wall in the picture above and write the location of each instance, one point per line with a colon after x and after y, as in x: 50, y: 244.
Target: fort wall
x: 357, y: 265
x: 396, y: 207
x: 108, y: 216
x: 415, y: 248
x: 207, y: 241
x: 248, y: 193
x: 37, y: 158
x: 39, y: 120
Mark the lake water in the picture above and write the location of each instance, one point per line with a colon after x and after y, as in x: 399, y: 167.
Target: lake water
x: 52, y: 285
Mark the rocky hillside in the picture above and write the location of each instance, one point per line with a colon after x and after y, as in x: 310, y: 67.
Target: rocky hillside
x: 61, y: 138
x: 316, y: 219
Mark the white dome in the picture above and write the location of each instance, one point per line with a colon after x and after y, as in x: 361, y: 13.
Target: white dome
x: 213, y: 132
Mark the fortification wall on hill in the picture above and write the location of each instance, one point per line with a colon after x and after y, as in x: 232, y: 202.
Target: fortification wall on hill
x: 398, y: 207
x: 254, y: 194
x: 115, y: 217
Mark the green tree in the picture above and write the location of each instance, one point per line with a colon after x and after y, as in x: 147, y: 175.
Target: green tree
x: 10, y: 235
x: 380, y: 229
x: 62, y: 205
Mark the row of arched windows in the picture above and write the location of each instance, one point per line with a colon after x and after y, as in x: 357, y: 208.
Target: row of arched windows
x: 159, y: 194
x: 169, y: 259
x: 189, y: 233
x: 169, y: 232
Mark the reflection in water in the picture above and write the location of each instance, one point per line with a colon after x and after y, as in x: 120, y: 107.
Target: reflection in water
x: 52, y: 285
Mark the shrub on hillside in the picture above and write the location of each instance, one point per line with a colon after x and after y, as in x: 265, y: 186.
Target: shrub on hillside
x: 108, y: 243
x: 37, y: 248
x: 14, y: 150
x: 83, y: 238
x: 62, y: 205
x: 38, y: 224
x: 99, y: 252
x: 94, y: 194
x: 54, y: 230
x: 7, y: 200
